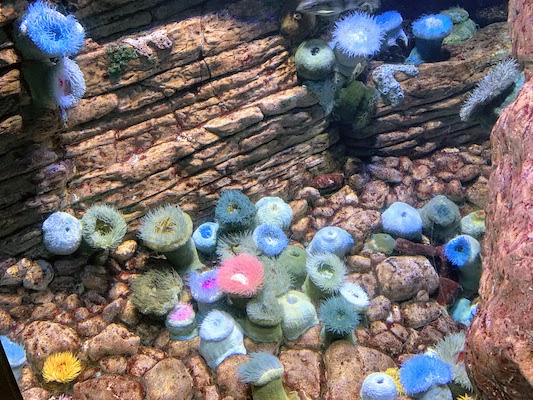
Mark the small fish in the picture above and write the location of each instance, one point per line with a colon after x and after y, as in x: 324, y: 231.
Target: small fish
x: 334, y: 7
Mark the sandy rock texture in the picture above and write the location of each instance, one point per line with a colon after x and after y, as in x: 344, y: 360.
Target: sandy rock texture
x: 500, y: 340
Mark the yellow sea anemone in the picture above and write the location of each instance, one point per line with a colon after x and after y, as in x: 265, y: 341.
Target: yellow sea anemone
x: 394, y: 373
x: 466, y: 397
x: 61, y: 367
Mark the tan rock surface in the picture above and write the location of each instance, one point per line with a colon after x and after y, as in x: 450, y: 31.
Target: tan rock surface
x: 500, y: 344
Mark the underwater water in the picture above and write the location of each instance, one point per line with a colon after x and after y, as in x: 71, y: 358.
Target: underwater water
x: 246, y: 199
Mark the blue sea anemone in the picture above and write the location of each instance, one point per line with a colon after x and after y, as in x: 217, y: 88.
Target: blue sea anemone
x: 103, y: 227
x: 234, y: 211
x: 378, y: 386
x: 331, y: 239
x: 220, y: 337
x: 421, y: 372
x: 325, y: 275
x: 270, y: 239
x: 205, y: 237
x: 358, y: 35
x: 45, y: 33
x: 298, y: 315
x: 464, y: 252
x: 339, y: 316
x: 391, y: 23
x: 62, y: 233
x: 204, y: 289
x: 402, y: 220
x: 67, y: 83
x: 429, y: 32
x: 274, y: 211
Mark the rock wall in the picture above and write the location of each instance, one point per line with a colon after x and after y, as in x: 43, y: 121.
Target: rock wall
x: 219, y: 108
x: 500, y: 340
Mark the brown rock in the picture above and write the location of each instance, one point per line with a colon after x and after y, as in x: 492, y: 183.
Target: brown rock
x: 113, y: 340
x: 419, y: 314
x: 36, y: 393
x: 499, y: 341
x: 303, y: 372
x: 402, y: 277
x: 6, y: 322
x: 113, y: 365
x: 346, y: 367
x: 228, y: 380
x: 140, y: 364
x: 109, y: 387
x: 168, y: 380
x: 43, y: 338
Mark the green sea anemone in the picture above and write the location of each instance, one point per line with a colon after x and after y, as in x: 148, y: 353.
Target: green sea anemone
x: 168, y: 229
x: 326, y: 273
x: 103, y: 227
x: 314, y: 59
x: 340, y: 318
x: 293, y: 260
x: 299, y: 314
x: 235, y: 243
x: 263, y: 371
x: 263, y: 318
x: 156, y: 291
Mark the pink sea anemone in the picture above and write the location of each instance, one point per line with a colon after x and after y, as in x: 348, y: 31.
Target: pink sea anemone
x: 181, y: 312
x: 241, y: 275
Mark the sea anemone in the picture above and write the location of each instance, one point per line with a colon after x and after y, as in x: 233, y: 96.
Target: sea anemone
x: 402, y: 220
x: 340, y: 318
x: 326, y: 273
x: 220, y: 337
x: 298, y: 316
x: 181, y: 322
x: 241, y: 275
x: 62, y: 233
x: 168, y: 229
x: 235, y: 243
x: 378, y: 386
x: 234, y: 211
x: 62, y: 367
x: 103, y: 227
x: 274, y: 211
x: 380, y: 243
x: 391, y: 23
x: 204, y: 289
x: 205, y: 237
x: 394, y: 373
x: 270, y: 239
x: 67, y: 83
x: 277, y: 279
x: 293, y: 260
x: 263, y: 318
x: 463, y: 311
x: 450, y: 349
x: 421, y: 372
x: 156, y: 291
x: 473, y: 224
x: 493, y: 91
x: 314, y: 60
x: 331, y: 239
x: 165, y: 228
x: 263, y: 371
x: 45, y: 33
x: 441, y: 218
x: 357, y: 35
x: 464, y: 252
x: 355, y: 295
x: 429, y: 31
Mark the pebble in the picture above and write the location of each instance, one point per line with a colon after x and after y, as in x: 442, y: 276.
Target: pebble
x: 115, y: 339
x: 109, y: 387
x: 169, y: 379
x: 38, y: 276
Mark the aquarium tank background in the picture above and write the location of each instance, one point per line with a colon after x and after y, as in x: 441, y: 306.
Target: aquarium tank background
x: 304, y: 199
